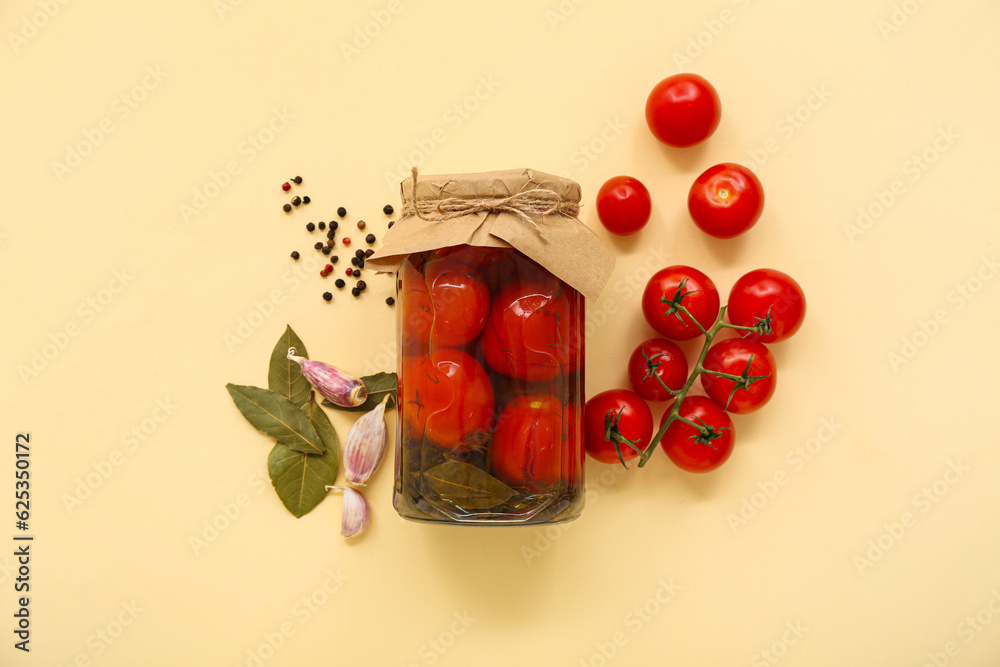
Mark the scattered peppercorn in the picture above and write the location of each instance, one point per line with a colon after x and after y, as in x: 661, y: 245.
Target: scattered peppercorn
x: 295, y: 254
x: 355, y: 273
x: 296, y: 200
x: 370, y: 238
x: 361, y: 263
x: 286, y: 186
x: 297, y: 180
x: 331, y: 233
x: 391, y: 223
x: 362, y: 285
x: 339, y: 283
x: 319, y: 245
x: 310, y: 227
x: 387, y: 209
x: 328, y: 268
x: 341, y: 211
x: 347, y: 240
x: 321, y: 226
x: 305, y: 199
x: 390, y: 301
x: 355, y: 291
x: 334, y: 224
x: 327, y: 249
x: 354, y: 261
x: 359, y: 253
x: 328, y: 296
x: 361, y: 224
x: 349, y: 272
x: 369, y: 253
x: 322, y: 273
x: 334, y: 259
x: 286, y: 208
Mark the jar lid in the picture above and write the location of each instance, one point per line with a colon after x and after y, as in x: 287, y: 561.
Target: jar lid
x: 528, y: 210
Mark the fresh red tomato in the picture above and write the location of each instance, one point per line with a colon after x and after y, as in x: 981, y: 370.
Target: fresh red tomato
x: 680, y: 286
x: 535, y: 442
x: 694, y: 449
x: 532, y: 333
x: 616, y: 416
x: 726, y: 200
x: 683, y: 110
x: 416, y: 309
x: 655, y: 367
x: 767, y: 292
x: 745, y: 358
x: 623, y: 205
x: 446, y: 396
x: 461, y: 302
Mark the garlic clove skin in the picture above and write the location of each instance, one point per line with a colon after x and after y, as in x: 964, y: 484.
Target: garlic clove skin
x: 333, y: 384
x: 356, y: 513
x: 365, y: 445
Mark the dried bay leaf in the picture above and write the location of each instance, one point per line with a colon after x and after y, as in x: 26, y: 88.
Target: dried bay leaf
x: 467, y: 486
x: 300, y: 480
x: 277, y: 416
x: 284, y: 375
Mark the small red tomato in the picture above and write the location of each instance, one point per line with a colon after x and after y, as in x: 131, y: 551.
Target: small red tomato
x: 535, y: 442
x: 460, y: 300
x: 446, y: 396
x: 616, y: 416
x: 746, y: 358
x: 655, y: 367
x: 726, y: 200
x: 532, y: 333
x: 683, y: 110
x: 677, y: 286
x: 764, y: 293
x: 416, y: 312
x: 623, y: 205
x: 698, y: 450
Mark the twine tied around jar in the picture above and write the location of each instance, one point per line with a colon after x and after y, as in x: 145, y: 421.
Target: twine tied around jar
x: 527, y: 205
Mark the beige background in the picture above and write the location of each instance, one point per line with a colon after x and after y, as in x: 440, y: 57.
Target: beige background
x: 880, y: 544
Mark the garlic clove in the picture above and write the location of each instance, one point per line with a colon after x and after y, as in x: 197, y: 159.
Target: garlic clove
x: 356, y: 513
x: 365, y: 445
x: 332, y: 383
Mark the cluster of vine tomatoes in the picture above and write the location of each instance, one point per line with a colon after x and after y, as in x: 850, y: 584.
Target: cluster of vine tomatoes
x: 737, y: 374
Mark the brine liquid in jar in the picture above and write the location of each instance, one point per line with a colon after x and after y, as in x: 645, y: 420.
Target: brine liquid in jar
x: 490, y: 389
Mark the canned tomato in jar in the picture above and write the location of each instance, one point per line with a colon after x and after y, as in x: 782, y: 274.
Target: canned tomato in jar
x: 491, y: 346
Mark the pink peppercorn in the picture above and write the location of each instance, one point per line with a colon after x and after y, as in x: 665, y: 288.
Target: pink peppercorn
x: 286, y: 186
x: 346, y: 240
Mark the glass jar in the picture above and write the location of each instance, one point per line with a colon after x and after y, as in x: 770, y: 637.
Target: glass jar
x: 492, y: 272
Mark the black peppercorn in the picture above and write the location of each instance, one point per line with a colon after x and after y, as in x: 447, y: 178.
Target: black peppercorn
x: 295, y: 254
x: 354, y: 261
x: 297, y: 180
x: 361, y: 263
x: 310, y: 227
x: 387, y: 209
x: 355, y: 273
x: 321, y: 226
x: 390, y: 301
x: 286, y: 208
x: 319, y: 245
x: 339, y: 282
x: 391, y: 223
x: 355, y: 291
x: 369, y: 253
x: 362, y: 285
x: 327, y: 249
x: 341, y: 211
x: 296, y: 200
x: 334, y: 224
x: 334, y: 259
x: 370, y: 238
x: 359, y: 253
x: 328, y: 296
x: 306, y: 200
x: 331, y: 233
x: 361, y: 224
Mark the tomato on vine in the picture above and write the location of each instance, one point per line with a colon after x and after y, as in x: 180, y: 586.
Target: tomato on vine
x: 617, y: 425
x: 680, y: 302
x: 701, y: 439
x: 657, y: 369
x: 748, y: 379
x: 767, y: 295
